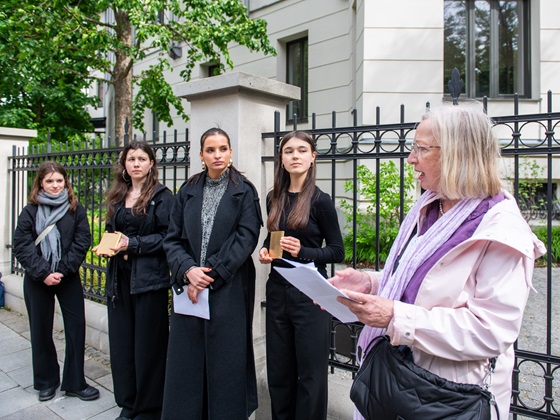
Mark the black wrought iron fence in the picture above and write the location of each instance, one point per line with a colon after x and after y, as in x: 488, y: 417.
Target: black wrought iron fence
x: 524, y: 138
x: 89, y: 169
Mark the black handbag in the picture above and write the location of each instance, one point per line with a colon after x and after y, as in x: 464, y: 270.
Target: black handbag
x: 389, y: 385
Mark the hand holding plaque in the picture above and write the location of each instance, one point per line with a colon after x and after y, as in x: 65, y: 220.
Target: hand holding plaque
x: 275, y: 250
x: 108, y: 241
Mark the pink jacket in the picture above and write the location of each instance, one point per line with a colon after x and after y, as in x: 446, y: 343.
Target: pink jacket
x: 470, y: 305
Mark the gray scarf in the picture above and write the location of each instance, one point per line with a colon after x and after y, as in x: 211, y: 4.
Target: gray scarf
x: 51, y: 209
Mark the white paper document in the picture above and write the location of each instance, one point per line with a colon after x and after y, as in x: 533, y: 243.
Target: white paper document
x: 307, y: 279
x: 183, y: 305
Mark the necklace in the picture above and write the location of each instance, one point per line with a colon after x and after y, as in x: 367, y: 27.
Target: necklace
x: 440, y: 208
x: 133, y: 196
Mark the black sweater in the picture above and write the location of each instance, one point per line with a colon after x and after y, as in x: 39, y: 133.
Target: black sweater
x: 323, y: 226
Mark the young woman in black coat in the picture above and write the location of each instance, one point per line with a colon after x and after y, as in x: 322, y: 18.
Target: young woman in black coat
x: 214, y: 228
x: 137, y: 284
x: 51, y: 240
x: 297, y: 330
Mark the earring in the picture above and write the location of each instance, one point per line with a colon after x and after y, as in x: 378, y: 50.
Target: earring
x: 203, y: 165
x: 150, y: 171
x: 230, y: 163
x: 312, y: 163
x: 123, y: 176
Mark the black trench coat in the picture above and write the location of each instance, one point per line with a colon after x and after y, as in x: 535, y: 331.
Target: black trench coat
x: 215, y: 354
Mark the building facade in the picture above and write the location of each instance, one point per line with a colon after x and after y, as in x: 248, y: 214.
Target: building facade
x: 363, y: 54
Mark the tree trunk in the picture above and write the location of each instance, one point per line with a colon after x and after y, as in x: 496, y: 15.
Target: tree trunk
x: 122, y: 79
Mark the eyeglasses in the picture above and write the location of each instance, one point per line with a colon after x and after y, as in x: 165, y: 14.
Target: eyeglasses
x: 421, y: 150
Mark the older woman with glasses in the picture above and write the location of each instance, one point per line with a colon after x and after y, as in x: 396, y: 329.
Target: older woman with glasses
x: 457, y: 278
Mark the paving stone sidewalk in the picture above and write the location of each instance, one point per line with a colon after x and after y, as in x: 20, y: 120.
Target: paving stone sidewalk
x: 18, y: 399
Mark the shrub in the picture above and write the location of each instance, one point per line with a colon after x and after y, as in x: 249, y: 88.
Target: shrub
x: 389, y: 212
x: 554, y: 251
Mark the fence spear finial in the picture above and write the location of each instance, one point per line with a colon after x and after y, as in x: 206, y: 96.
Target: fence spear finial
x: 455, y: 86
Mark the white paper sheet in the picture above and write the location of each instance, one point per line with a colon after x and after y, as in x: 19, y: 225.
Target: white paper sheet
x: 183, y: 305
x: 307, y: 279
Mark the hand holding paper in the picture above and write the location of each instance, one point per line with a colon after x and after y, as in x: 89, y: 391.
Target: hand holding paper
x: 374, y: 311
x: 183, y: 305
x: 307, y: 279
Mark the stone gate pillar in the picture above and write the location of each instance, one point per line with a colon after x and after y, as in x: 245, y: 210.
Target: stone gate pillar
x: 9, y: 138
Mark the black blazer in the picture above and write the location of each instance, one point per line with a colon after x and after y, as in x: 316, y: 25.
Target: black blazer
x: 75, y: 240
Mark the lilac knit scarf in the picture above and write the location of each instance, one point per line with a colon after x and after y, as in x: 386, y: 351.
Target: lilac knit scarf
x: 392, y: 286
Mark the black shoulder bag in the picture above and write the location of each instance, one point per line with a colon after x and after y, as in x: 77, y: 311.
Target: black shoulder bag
x: 389, y: 385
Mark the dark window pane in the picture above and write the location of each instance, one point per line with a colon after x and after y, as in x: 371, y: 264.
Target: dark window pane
x: 508, y: 24
x: 296, y: 74
x: 455, y: 40
x: 482, y: 66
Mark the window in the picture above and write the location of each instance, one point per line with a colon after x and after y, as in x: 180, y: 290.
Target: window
x: 100, y: 93
x: 296, y: 74
x: 214, y: 70
x: 488, y: 42
x: 161, y: 16
x: 155, y: 127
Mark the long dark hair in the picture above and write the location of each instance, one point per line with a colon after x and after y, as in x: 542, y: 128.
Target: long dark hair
x: 234, y: 173
x: 122, y: 182
x: 48, y: 167
x: 278, y: 197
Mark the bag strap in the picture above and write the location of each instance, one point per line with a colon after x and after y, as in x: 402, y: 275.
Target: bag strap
x: 44, y: 233
x: 487, y: 382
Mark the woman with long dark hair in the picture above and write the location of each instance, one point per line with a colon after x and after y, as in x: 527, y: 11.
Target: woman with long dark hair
x: 214, y: 228
x: 51, y: 240
x: 297, y: 330
x: 138, y: 207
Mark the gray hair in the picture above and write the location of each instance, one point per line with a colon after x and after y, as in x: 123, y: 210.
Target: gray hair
x: 469, y: 152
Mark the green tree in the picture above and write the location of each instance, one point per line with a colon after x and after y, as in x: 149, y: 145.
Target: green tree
x: 83, y: 44
x: 42, y: 84
x: 389, y: 211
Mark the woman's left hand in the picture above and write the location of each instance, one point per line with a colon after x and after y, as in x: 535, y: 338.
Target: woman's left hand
x: 291, y: 245
x: 371, y: 310
x: 192, y: 293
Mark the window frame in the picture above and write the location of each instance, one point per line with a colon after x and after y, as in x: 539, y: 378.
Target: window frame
x: 302, y: 67
x: 523, y: 65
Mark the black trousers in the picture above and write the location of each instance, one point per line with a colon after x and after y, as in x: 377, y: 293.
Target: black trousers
x: 297, y: 353
x: 39, y: 300
x: 138, y: 334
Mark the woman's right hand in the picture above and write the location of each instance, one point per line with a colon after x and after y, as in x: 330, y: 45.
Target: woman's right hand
x: 351, y: 279
x: 198, y: 279
x: 53, y: 279
x: 264, y: 256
